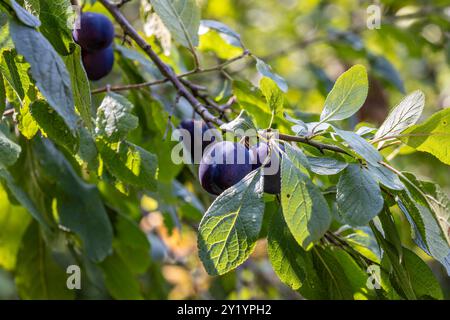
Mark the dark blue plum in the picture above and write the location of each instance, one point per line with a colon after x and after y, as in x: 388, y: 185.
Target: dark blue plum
x: 96, y: 32
x: 98, y: 64
x: 272, y: 182
x: 223, y: 165
x: 198, y: 141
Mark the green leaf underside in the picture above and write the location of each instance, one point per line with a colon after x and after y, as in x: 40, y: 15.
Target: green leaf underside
x: 406, y: 114
x: 230, y: 228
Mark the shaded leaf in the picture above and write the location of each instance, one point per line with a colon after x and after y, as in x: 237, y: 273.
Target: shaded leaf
x: 358, y: 197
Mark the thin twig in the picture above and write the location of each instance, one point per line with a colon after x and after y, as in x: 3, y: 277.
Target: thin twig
x: 217, y: 68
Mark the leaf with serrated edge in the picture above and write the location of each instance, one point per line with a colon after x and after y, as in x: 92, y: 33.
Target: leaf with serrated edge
x: 230, y: 228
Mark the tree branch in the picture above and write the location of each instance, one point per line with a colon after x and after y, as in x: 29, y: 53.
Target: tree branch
x: 126, y: 87
x: 165, y: 70
x: 183, y: 89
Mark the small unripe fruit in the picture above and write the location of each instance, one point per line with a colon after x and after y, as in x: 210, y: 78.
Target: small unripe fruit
x: 98, y: 64
x: 224, y: 164
x: 96, y: 32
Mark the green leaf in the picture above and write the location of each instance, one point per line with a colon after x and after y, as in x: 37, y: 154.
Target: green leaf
x: 24, y: 16
x: 80, y: 86
x: 326, y: 166
x: 27, y: 125
x: 304, y: 208
x: 13, y: 223
x: 53, y: 126
x: 37, y: 276
x: 424, y: 283
x: 386, y: 177
x: 130, y: 163
x: 285, y: 255
x: 9, y: 151
x: 229, y: 35
x: 131, y: 244
x: 266, y: 71
x: 358, y: 197
x: 79, y: 205
x: 2, y: 95
x: 432, y: 136
x: 426, y: 209
x: 405, y: 114
x: 56, y: 16
x: 181, y: 17
x: 274, y: 96
x: 361, y: 146
x: 347, y: 96
x: 22, y: 197
x: 252, y: 100
x: 114, y: 118
x: 332, y: 275
x: 47, y: 69
x: 231, y: 226
x: 15, y: 73
x: 242, y: 125
x: 119, y: 280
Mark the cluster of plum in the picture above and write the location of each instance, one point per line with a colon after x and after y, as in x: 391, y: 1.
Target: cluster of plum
x: 95, y: 36
x: 217, y: 173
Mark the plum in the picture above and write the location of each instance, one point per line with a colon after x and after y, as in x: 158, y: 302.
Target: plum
x: 98, y: 64
x: 223, y: 165
x: 196, y: 129
x: 96, y: 32
x: 272, y: 182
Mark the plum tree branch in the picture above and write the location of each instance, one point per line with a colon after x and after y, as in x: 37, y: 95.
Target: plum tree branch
x: 183, y: 89
x: 165, y: 70
x: 126, y: 87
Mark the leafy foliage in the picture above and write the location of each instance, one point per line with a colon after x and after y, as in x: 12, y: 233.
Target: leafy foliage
x: 89, y: 176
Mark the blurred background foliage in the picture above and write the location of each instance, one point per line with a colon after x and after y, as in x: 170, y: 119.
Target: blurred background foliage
x: 309, y: 43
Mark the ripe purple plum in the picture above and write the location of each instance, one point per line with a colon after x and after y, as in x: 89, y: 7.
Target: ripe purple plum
x: 223, y: 165
x: 198, y: 139
x: 98, y: 64
x: 272, y: 182
x: 96, y: 32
